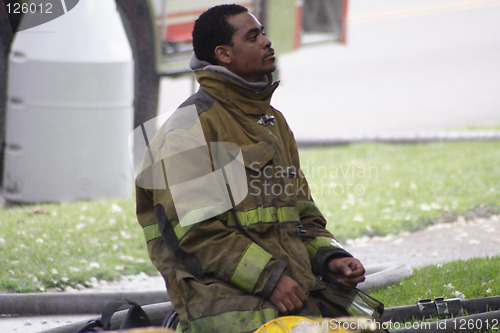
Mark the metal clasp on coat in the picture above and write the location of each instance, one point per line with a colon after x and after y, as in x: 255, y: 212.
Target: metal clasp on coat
x: 299, y: 230
x: 266, y: 120
x: 290, y: 172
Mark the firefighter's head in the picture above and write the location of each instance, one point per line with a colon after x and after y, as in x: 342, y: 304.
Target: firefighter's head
x: 229, y: 36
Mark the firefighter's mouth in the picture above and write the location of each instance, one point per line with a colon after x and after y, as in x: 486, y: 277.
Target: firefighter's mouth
x: 269, y: 54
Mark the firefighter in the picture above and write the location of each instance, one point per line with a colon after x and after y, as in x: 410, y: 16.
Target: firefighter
x: 227, y: 213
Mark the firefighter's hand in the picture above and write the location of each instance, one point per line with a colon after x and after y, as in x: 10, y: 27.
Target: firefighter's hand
x: 346, y: 272
x: 288, y: 296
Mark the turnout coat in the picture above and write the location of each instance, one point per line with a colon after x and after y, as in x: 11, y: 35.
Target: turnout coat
x: 226, y: 211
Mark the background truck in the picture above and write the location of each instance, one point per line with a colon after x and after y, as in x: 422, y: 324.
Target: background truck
x: 159, y: 33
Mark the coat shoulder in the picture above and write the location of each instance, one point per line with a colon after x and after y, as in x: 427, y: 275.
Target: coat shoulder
x: 201, y: 99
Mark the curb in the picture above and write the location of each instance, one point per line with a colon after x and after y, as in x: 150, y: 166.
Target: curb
x: 71, y: 303
x: 411, y: 138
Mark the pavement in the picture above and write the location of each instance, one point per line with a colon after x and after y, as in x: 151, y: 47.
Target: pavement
x: 443, y: 242
x: 410, y: 67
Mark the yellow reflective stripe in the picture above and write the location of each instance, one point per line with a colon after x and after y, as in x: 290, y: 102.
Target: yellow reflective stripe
x: 251, y: 265
x: 151, y: 232
x: 201, y: 214
x: 243, y: 218
x: 231, y: 219
x: 307, y: 207
x: 180, y: 231
x: 234, y: 321
x: 261, y: 214
x: 256, y: 215
x: 288, y: 214
x: 314, y: 244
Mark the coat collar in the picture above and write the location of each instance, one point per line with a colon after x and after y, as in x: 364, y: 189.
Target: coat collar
x: 250, y: 97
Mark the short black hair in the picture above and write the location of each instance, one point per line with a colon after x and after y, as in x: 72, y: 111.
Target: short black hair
x: 212, y: 29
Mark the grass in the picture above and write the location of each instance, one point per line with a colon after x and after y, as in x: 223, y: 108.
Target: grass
x: 53, y: 247
x: 394, y: 188
x: 374, y: 189
x: 494, y: 127
x: 466, y: 279
x: 473, y: 278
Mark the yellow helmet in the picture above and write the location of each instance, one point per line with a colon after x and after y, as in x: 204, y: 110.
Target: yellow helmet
x: 297, y: 324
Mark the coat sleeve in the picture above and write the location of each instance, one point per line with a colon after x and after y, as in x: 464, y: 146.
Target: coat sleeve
x: 320, y: 243
x: 186, y: 212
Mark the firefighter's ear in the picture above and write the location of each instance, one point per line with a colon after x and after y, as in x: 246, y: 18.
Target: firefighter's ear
x: 223, y: 54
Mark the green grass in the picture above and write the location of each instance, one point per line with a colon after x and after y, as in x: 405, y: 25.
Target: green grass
x: 473, y: 278
x: 403, y: 187
x: 380, y: 189
x: 70, y: 245
x: 494, y: 127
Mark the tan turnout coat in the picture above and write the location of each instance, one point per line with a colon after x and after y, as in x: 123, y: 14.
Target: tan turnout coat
x: 221, y: 271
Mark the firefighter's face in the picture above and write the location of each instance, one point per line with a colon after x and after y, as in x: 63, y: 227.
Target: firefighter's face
x: 251, y: 55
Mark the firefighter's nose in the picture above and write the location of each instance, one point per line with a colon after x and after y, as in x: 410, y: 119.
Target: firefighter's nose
x: 267, y: 42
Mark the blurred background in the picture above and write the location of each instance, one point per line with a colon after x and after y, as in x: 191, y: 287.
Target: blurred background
x: 90, y: 72
x: 407, y: 67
